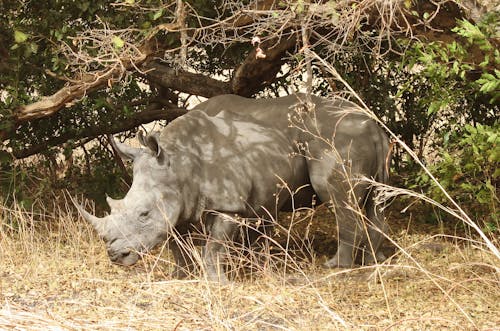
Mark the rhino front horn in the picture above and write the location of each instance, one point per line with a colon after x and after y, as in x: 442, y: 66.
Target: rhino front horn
x: 97, y: 223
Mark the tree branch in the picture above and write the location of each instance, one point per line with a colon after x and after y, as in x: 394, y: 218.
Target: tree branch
x: 185, y: 81
x: 52, y: 104
x: 92, y: 132
x: 255, y: 73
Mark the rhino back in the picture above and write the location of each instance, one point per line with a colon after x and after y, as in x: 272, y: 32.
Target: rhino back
x: 272, y: 112
x: 235, y: 163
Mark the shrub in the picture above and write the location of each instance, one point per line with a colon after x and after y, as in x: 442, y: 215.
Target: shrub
x: 468, y: 167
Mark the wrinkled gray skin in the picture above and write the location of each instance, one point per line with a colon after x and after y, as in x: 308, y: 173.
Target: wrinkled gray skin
x: 228, y: 156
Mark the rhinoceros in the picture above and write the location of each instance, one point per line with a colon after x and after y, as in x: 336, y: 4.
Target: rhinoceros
x: 232, y: 157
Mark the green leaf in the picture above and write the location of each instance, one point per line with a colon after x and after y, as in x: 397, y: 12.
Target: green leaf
x: 488, y: 87
x: 26, y: 203
x: 485, y: 62
x: 158, y: 14
x: 58, y: 35
x: 34, y: 47
x: 20, y: 37
x: 126, y: 110
x: 118, y: 42
x: 434, y: 107
x: 452, y: 47
x: 483, y: 196
x: 467, y: 187
x: 299, y: 7
x: 492, y: 138
x: 489, y: 186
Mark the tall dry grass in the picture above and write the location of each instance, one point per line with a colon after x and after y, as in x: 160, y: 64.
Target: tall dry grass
x: 55, y: 275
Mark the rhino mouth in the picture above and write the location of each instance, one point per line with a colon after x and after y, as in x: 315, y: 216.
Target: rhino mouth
x: 125, y: 258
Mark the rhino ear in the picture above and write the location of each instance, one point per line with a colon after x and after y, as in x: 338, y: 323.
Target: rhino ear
x: 125, y: 151
x: 151, y: 141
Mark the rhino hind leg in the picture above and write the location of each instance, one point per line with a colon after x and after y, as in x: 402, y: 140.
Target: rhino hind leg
x: 347, y: 196
x: 343, y: 258
x: 377, y: 229
x: 350, y: 236
x: 360, y: 238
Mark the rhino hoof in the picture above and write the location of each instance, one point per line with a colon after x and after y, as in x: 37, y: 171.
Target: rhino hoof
x: 370, y: 260
x: 181, y: 273
x: 334, y: 263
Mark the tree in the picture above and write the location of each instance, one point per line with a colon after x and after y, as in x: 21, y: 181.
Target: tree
x: 75, y: 70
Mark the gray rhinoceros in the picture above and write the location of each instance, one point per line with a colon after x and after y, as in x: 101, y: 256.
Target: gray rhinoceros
x: 231, y: 156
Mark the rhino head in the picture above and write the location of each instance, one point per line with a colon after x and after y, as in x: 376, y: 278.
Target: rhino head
x: 148, y: 212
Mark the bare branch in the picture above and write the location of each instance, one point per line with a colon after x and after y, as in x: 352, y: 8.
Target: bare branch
x: 62, y: 98
x: 181, y: 20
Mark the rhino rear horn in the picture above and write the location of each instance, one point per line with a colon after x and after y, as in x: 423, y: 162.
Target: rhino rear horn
x: 123, y: 150
x: 114, y: 203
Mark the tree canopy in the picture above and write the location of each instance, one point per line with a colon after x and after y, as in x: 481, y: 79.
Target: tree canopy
x: 72, y: 70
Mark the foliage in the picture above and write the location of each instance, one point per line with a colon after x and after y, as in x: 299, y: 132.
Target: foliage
x: 435, y: 87
x: 457, y: 96
x: 32, y: 183
x: 458, y: 68
x: 469, y: 169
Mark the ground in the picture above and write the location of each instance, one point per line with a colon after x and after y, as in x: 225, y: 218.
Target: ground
x: 55, y: 275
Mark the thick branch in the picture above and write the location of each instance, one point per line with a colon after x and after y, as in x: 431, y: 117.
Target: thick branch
x: 52, y: 104
x: 185, y: 81
x: 92, y: 132
x: 255, y: 73
x: 81, y: 86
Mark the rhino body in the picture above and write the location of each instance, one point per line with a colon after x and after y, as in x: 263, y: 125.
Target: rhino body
x: 238, y: 157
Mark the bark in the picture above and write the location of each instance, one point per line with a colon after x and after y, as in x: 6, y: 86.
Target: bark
x: 255, y: 73
x: 185, y: 81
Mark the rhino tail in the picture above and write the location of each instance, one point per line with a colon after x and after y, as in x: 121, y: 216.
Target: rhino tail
x: 385, y: 154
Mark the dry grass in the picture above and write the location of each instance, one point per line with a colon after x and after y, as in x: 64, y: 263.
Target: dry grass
x: 55, y: 275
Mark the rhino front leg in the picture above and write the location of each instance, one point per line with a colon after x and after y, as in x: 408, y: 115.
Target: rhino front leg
x: 185, y: 266
x: 221, y: 229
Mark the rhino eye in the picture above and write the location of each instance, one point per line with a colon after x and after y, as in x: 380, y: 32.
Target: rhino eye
x: 144, y: 214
